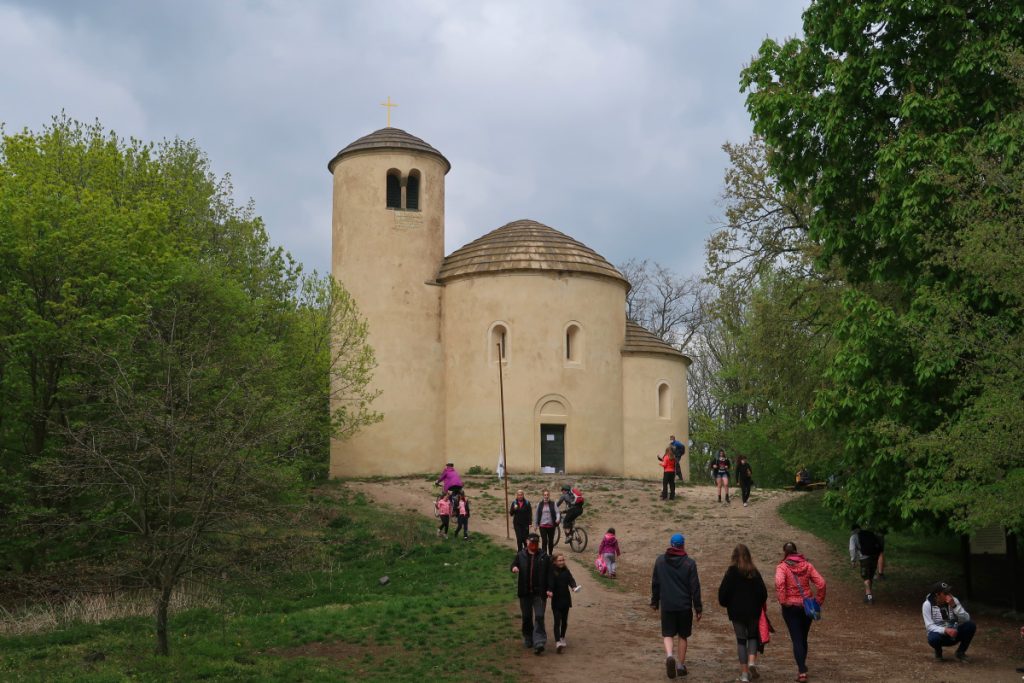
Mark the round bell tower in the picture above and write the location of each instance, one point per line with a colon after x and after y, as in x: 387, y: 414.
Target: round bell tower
x: 387, y: 245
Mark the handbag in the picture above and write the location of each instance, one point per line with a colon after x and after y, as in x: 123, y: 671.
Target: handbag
x: 812, y: 607
x: 600, y: 565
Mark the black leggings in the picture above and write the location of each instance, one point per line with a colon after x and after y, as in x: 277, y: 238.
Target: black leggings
x: 668, y: 485
x: 560, y: 618
x: 571, y: 514
x: 799, y: 625
x: 463, y: 525
x: 547, y: 538
x: 521, y: 533
x: 444, y: 524
x: 745, y: 489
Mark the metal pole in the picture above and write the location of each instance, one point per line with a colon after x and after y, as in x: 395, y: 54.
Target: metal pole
x: 504, y: 453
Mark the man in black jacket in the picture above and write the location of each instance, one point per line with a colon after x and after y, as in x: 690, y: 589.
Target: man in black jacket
x: 675, y: 587
x: 533, y: 566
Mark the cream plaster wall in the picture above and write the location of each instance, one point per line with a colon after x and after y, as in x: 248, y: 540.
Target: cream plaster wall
x: 536, y: 307
x: 385, y: 258
x: 645, y: 434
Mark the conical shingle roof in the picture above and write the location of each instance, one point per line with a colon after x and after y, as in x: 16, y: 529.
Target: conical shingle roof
x: 388, y: 138
x: 524, y: 246
x: 639, y: 340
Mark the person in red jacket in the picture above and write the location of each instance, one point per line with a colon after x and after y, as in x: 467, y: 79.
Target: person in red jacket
x: 668, y: 479
x: 794, y: 578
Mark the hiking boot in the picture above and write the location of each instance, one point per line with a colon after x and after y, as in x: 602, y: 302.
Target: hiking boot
x: 527, y: 644
x: 681, y: 669
x: 670, y: 666
x: 539, y: 650
x: 727, y: 499
x: 938, y: 654
x: 753, y: 672
x: 962, y: 656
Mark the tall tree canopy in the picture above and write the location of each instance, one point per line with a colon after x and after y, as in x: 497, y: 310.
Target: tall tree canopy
x: 167, y: 376
x: 900, y: 124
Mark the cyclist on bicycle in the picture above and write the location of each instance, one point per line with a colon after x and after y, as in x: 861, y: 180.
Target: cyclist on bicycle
x: 572, y: 497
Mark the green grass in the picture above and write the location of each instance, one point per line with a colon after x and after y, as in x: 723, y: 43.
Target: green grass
x: 330, y: 622
x: 913, y: 559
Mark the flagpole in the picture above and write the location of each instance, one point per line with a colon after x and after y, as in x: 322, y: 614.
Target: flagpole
x: 504, y: 453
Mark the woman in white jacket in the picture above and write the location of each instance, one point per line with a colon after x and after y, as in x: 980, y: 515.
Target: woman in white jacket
x: 946, y: 622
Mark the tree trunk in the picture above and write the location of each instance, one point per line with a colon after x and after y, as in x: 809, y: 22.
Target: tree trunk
x: 161, y: 620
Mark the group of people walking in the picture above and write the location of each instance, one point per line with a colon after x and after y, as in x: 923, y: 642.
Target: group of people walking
x: 548, y: 515
x: 676, y: 592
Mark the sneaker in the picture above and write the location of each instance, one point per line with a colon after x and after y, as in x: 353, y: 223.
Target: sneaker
x: 745, y: 677
x: 962, y: 656
x: 560, y: 646
x: 753, y: 672
x: 745, y: 505
x: 871, y: 599
x: 527, y: 644
x: 801, y: 678
x: 938, y: 655
x: 681, y: 670
x: 538, y: 650
x: 727, y: 499
x: 670, y: 666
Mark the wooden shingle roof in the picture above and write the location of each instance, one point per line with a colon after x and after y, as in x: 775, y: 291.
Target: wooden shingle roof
x: 639, y: 340
x: 388, y: 138
x: 524, y: 246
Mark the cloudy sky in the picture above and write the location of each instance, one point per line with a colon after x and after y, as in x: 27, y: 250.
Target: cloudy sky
x: 602, y: 119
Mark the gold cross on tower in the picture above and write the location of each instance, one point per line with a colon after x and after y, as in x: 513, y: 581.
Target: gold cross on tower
x: 388, y: 104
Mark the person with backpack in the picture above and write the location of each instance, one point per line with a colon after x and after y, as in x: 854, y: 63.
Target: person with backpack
x: 865, y: 547
x: 572, y: 497
x: 794, y: 577
x: 678, y: 451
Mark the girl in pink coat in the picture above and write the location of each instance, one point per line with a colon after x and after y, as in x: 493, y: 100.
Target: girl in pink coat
x: 793, y: 576
x: 609, y: 550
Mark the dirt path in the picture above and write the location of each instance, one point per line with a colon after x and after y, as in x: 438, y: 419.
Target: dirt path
x: 614, y: 635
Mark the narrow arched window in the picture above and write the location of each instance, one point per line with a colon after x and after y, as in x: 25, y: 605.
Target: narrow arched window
x: 394, y: 190
x: 573, y: 344
x: 664, y: 401
x: 498, y: 343
x: 412, y: 191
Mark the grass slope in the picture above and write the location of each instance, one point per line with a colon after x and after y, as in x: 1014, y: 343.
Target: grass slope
x: 442, y: 615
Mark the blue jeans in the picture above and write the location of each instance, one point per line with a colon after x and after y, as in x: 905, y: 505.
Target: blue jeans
x: 964, y: 635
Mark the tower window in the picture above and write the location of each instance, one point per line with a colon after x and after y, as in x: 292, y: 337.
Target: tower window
x: 498, y: 343
x: 394, y: 190
x: 412, y: 191
x: 573, y: 343
x: 664, y: 401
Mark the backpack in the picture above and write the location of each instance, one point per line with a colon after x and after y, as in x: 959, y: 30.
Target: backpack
x: 869, y: 543
x: 577, y: 497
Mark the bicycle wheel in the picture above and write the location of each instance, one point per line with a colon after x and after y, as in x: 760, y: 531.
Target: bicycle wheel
x: 578, y: 539
x: 558, y: 535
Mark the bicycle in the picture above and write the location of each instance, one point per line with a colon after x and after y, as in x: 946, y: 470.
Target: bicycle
x: 576, y: 537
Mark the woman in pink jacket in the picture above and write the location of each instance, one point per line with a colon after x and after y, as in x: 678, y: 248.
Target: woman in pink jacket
x: 793, y: 576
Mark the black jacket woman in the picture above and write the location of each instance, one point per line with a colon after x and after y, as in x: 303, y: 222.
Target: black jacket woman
x: 743, y: 594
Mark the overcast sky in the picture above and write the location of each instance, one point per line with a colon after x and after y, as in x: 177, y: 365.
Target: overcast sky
x: 604, y: 120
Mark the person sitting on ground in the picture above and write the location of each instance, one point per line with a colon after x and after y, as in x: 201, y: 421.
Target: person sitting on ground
x: 865, y: 546
x: 572, y: 497
x: 946, y: 622
x: 803, y: 478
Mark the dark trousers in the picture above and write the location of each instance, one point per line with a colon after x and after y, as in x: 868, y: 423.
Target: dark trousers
x: 533, y: 608
x: 521, y: 533
x: 547, y: 538
x: 571, y: 514
x: 463, y: 525
x: 745, y: 489
x: 799, y: 625
x: 964, y: 635
x: 560, y: 620
x: 444, y: 524
x: 668, y: 485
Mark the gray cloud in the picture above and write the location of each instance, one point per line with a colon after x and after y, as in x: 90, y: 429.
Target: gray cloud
x: 602, y: 119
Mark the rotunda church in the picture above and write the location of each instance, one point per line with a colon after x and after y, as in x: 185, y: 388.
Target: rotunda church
x: 525, y: 308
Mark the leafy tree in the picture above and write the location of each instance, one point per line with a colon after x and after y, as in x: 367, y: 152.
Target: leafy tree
x: 191, y: 376
x: 874, y: 114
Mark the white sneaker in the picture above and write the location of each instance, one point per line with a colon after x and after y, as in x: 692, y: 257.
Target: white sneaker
x: 560, y: 646
x: 744, y: 505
